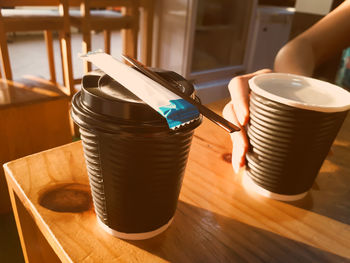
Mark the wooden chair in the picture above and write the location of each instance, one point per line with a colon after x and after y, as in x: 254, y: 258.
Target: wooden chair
x: 15, y: 20
x: 89, y: 19
x: 34, y: 112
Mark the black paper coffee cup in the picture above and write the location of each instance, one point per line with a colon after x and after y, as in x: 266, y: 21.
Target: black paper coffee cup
x: 293, y: 123
x: 135, y: 162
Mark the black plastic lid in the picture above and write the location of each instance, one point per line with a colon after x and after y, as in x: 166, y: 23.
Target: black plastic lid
x: 104, y: 105
x: 105, y: 96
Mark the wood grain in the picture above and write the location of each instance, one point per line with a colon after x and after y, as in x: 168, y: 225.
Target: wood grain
x: 217, y: 219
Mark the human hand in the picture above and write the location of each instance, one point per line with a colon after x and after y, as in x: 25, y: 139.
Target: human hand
x: 237, y: 111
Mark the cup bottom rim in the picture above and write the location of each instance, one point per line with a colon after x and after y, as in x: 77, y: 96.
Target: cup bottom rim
x: 250, y: 185
x: 134, y: 236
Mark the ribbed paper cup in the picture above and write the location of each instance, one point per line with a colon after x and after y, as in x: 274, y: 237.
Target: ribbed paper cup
x: 293, y: 123
x: 135, y: 162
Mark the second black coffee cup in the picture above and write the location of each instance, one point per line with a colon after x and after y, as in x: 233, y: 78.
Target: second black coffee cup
x: 293, y: 123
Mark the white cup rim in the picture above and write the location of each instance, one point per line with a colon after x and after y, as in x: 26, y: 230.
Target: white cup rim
x: 340, y: 97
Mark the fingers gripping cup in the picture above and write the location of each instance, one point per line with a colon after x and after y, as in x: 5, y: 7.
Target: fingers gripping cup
x: 293, y: 123
x: 135, y: 162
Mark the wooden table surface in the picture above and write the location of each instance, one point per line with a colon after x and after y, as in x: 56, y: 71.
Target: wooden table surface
x: 217, y: 219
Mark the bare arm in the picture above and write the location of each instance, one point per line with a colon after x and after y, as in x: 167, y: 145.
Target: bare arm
x: 299, y: 56
x: 317, y: 44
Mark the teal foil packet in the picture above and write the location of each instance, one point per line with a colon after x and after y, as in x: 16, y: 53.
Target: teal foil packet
x: 178, y: 113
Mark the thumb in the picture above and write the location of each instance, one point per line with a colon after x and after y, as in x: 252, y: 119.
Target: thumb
x: 239, y: 139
